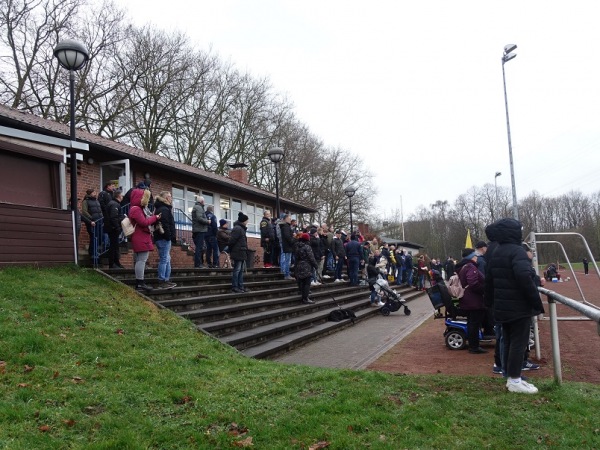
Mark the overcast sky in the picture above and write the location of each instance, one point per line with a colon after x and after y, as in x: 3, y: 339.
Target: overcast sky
x: 415, y: 88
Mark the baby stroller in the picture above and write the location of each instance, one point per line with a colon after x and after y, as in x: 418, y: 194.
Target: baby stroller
x: 391, y: 299
x: 455, y: 319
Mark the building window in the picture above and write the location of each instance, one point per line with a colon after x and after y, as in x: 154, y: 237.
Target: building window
x: 225, y: 208
x: 236, y: 208
x: 184, y: 198
x: 209, y: 198
x: 255, y: 214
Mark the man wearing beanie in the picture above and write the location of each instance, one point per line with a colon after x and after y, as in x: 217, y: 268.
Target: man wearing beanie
x: 480, y: 249
x: 238, y: 251
x: 305, y: 264
x: 223, y: 241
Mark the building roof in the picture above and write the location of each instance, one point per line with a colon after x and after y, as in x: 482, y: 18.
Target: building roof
x: 30, y: 122
x: 399, y: 243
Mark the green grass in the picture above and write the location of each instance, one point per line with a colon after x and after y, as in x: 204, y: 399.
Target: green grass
x: 90, y: 365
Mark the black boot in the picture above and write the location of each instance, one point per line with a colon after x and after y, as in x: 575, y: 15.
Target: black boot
x: 141, y: 286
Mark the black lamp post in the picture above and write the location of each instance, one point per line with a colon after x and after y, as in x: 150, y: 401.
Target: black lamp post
x: 72, y: 55
x: 276, y: 156
x: 350, y: 191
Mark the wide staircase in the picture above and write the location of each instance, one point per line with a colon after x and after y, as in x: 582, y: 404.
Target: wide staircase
x: 265, y: 322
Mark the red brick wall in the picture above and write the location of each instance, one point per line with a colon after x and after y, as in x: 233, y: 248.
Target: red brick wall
x: 89, y: 177
x: 181, y: 259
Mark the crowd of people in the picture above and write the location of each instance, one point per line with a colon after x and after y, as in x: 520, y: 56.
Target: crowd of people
x: 498, y: 285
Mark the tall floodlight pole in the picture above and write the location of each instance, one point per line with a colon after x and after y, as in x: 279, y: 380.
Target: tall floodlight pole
x: 72, y: 55
x: 276, y: 155
x: 350, y: 191
x: 507, y: 56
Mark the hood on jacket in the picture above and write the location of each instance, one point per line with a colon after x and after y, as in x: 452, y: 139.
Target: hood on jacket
x: 463, y: 262
x: 161, y: 201
x: 137, y: 195
x: 505, y: 231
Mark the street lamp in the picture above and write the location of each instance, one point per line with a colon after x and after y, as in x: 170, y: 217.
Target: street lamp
x: 496, y: 184
x: 276, y: 156
x: 350, y: 191
x: 507, y: 56
x: 72, y: 55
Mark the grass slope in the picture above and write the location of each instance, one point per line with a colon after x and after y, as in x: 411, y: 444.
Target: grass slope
x: 89, y: 364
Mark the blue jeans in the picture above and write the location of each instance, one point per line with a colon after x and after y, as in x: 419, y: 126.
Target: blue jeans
x: 237, y: 277
x: 164, y: 259
x: 353, y: 264
x: 199, y: 244
x: 421, y: 284
x: 284, y: 263
x: 409, y: 276
x: 400, y: 275
x: 212, y: 251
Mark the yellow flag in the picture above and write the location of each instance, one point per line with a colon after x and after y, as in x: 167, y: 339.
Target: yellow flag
x: 468, y: 243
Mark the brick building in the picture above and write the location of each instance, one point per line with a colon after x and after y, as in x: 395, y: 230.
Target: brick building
x: 35, y: 218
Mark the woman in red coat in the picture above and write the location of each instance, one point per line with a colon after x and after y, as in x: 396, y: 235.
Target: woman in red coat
x: 141, y: 239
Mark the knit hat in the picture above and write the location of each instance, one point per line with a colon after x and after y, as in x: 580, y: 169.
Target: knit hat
x: 468, y: 253
x: 242, y: 217
x: 222, y: 222
x: 481, y: 244
x: 304, y: 237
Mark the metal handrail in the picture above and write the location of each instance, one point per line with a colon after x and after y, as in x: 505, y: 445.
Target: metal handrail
x: 101, y: 245
x: 183, y: 227
x: 588, y: 311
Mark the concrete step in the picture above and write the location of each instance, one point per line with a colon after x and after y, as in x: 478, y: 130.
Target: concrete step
x: 278, y: 290
x: 312, y: 326
x: 268, y: 320
x: 245, y: 316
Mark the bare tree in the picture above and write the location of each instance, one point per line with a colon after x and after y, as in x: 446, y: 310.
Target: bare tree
x: 29, y: 34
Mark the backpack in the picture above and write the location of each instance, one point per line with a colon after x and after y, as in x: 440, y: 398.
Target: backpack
x: 454, y: 287
x: 337, y: 315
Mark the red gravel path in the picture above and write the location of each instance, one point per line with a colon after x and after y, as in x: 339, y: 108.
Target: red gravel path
x: 424, y: 351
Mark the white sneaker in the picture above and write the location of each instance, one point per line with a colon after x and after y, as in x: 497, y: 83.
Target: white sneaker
x: 522, y: 387
x: 326, y: 277
x: 337, y: 280
x: 313, y: 283
x: 380, y: 303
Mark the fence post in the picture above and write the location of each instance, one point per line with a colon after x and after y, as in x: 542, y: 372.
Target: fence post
x: 554, y: 337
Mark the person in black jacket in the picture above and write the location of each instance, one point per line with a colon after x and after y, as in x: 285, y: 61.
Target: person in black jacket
x: 212, y: 247
x: 238, y: 250
x: 305, y: 264
x: 165, y: 235
x: 267, y: 238
x: 91, y: 213
x: 287, y: 246
x: 113, y: 228
x: 511, y: 291
x: 339, y: 254
x: 318, y: 249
